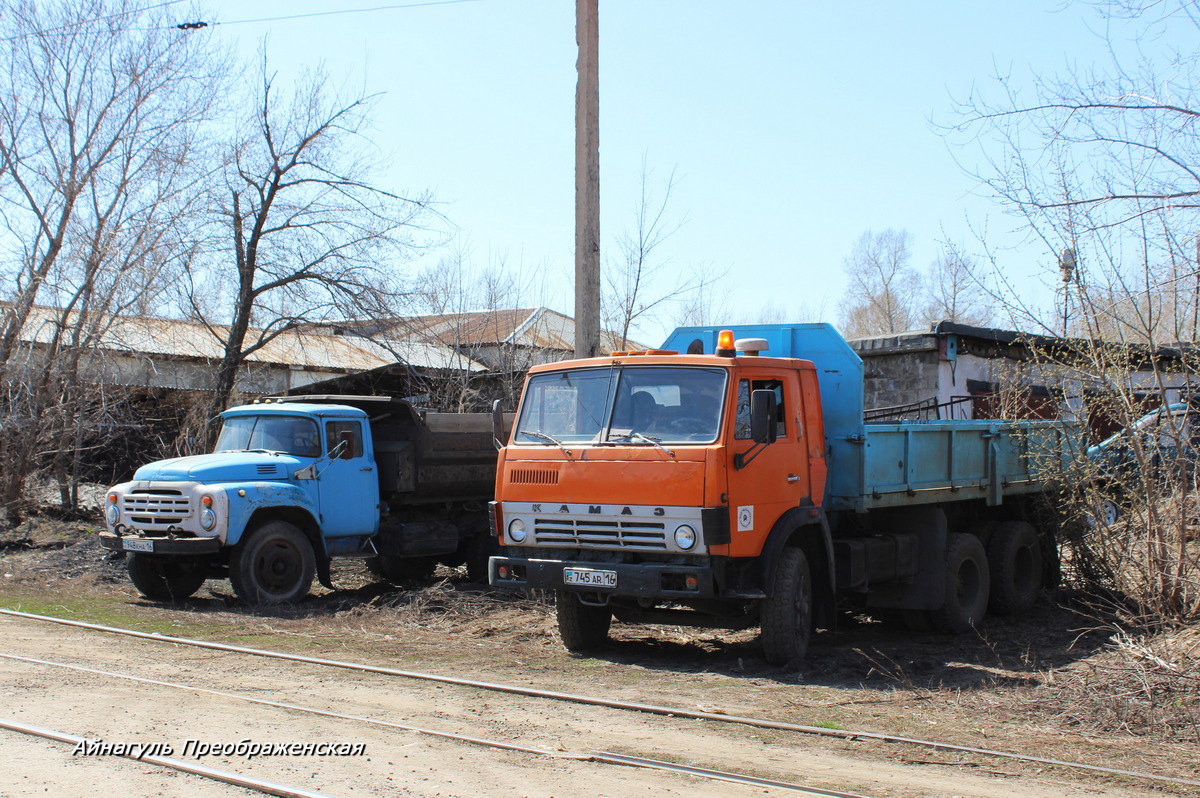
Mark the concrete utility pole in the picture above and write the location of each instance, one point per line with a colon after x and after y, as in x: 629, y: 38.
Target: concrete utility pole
x: 587, y: 180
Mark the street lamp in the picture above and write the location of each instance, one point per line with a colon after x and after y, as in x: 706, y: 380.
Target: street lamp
x: 1066, y: 265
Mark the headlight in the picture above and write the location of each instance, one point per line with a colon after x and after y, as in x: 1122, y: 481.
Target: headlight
x: 685, y: 537
x: 516, y: 530
x: 113, y: 513
x: 208, y: 518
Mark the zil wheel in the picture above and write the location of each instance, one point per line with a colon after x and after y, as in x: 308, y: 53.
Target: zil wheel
x: 274, y: 564
x: 582, y: 627
x: 402, y: 569
x: 164, y: 578
x: 787, y: 610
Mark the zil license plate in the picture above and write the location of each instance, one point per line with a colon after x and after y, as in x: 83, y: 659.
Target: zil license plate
x: 586, y: 576
x: 137, y: 545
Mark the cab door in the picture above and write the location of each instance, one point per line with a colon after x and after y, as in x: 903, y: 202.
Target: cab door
x: 349, y: 483
x: 774, y: 477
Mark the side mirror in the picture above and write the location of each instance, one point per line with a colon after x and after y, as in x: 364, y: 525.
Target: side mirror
x: 497, y: 425
x: 347, y: 444
x: 763, y: 411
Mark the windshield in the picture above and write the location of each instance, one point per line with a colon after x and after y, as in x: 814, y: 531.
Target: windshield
x: 1150, y: 423
x: 288, y: 434
x: 636, y: 404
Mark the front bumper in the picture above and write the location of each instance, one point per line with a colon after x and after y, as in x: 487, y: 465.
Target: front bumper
x: 641, y: 580
x: 163, y: 545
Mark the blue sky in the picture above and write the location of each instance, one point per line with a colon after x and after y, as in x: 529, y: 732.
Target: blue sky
x: 791, y: 127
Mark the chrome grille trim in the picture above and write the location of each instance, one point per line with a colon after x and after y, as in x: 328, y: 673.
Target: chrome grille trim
x: 609, y: 527
x: 155, y: 509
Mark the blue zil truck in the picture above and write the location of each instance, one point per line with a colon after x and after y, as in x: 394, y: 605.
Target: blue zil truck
x: 729, y: 480
x: 293, y: 483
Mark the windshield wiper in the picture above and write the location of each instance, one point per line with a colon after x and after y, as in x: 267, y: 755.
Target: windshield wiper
x: 637, y: 436
x: 545, y: 437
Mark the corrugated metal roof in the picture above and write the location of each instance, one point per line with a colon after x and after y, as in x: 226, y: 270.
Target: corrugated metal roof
x: 536, y: 328
x: 172, y: 338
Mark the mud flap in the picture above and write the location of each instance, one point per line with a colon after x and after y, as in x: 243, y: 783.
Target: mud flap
x: 323, y: 575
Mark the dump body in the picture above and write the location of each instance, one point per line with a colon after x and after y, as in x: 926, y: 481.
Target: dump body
x: 700, y: 488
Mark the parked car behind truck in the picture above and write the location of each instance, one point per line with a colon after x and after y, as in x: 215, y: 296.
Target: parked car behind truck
x: 725, y: 488
x: 293, y: 483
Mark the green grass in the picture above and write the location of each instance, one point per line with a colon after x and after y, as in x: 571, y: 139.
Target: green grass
x: 829, y: 724
x: 118, y: 612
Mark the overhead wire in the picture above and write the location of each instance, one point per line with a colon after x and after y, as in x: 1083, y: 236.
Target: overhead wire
x: 72, y: 25
x: 196, y: 25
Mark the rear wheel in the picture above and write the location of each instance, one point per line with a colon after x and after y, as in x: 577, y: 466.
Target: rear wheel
x: 402, y: 569
x: 479, y: 550
x: 275, y: 564
x: 1015, y: 564
x: 787, y: 610
x: 967, y: 584
x: 160, y: 578
x: 581, y: 626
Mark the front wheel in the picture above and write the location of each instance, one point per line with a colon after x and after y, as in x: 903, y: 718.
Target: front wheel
x: 787, y: 610
x: 582, y: 627
x: 160, y: 578
x: 275, y: 564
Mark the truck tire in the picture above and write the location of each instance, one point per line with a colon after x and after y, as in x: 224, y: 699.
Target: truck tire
x: 1015, y: 564
x: 164, y: 578
x: 402, y: 569
x: 787, y: 610
x: 582, y: 627
x: 274, y: 564
x: 967, y: 581
x: 479, y: 550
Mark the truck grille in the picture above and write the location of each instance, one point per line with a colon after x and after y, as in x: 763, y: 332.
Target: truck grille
x: 603, y: 534
x: 150, y: 509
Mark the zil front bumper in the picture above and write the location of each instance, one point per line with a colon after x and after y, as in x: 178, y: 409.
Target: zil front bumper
x: 165, y: 518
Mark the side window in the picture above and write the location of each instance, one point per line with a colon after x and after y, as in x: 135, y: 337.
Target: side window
x: 741, y: 429
x: 741, y: 426
x: 348, y: 431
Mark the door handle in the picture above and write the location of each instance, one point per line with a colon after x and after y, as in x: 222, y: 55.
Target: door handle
x: 793, y: 478
x: 368, y: 468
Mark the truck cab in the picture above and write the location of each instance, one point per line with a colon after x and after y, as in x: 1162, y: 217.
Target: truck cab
x: 279, y: 474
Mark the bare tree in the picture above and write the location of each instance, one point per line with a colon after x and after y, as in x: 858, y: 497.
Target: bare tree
x: 308, y: 237
x: 634, y: 286
x: 955, y: 291
x: 883, y: 293
x: 99, y: 120
x: 1103, y: 166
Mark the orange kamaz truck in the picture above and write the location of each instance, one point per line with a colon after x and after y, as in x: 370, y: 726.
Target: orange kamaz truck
x: 728, y: 480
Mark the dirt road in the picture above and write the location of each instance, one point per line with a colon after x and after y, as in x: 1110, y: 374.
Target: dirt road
x: 995, y: 690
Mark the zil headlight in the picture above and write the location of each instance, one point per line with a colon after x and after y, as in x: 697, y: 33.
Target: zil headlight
x: 685, y: 537
x: 208, y: 518
x: 516, y: 530
x: 113, y: 513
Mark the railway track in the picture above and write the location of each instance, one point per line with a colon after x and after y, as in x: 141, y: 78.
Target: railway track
x: 537, y: 699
